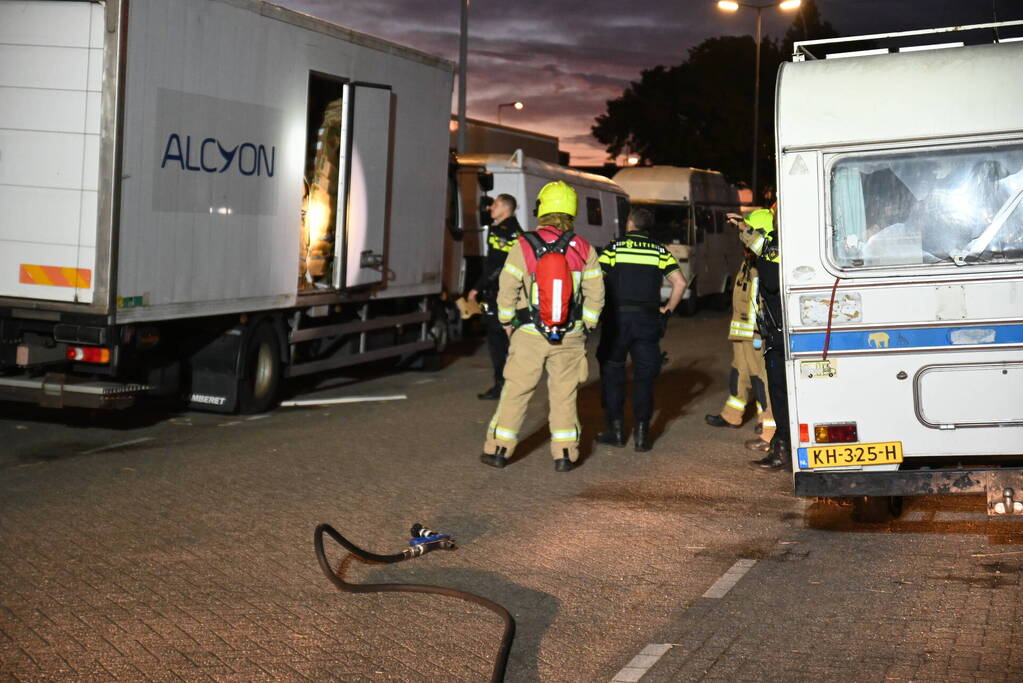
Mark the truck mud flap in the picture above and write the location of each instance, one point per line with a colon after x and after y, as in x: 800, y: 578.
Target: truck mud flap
x: 59, y: 391
x: 1003, y: 486
x: 213, y: 372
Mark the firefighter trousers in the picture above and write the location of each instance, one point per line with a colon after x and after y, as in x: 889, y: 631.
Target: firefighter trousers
x: 529, y: 355
x: 748, y: 375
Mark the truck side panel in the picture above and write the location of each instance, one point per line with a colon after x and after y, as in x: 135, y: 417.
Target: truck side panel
x: 51, y: 75
x: 214, y: 155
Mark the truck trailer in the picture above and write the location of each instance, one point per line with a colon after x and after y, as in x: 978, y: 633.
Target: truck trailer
x: 901, y: 256
x: 202, y: 197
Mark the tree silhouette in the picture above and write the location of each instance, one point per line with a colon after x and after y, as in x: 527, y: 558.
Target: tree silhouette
x: 700, y: 113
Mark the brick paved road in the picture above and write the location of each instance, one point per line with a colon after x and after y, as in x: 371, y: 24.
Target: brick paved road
x: 936, y: 596
x: 188, y: 555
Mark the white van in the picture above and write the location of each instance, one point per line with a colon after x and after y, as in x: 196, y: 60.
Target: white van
x: 901, y: 227
x: 603, y: 205
x: 689, y: 207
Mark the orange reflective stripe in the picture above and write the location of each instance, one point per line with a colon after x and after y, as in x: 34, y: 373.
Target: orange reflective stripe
x: 54, y: 276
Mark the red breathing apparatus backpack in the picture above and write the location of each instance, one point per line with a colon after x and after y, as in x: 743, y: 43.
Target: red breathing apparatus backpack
x: 556, y: 312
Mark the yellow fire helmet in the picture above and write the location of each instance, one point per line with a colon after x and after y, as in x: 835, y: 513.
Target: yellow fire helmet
x: 556, y: 197
x: 761, y: 220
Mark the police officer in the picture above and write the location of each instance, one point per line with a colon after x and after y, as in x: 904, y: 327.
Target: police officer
x: 504, y: 230
x: 634, y: 267
x: 758, y: 231
x: 530, y: 353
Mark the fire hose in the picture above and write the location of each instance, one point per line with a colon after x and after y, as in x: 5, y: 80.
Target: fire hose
x: 423, y: 541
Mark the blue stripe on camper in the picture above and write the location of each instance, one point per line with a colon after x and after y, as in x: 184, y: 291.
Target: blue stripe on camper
x: 907, y: 338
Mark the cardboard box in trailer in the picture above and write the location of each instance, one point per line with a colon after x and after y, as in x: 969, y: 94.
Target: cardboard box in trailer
x: 203, y: 196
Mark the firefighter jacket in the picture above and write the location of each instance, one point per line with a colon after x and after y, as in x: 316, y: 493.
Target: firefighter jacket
x: 636, y: 265
x: 517, y: 289
x: 745, y: 300
x: 763, y: 244
x: 500, y: 239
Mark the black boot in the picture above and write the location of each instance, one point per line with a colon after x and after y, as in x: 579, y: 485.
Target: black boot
x: 563, y: 464
x: 718, y: 421
x: 498, y: 459
x: 641, y: 438
x: 614, y: 435
x: 493, y: 393
x: 778, y: 458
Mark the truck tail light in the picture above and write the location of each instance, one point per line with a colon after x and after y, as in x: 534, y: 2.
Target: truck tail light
x: 88, y: 354
x: 804, y: 433
x: 835, y: 433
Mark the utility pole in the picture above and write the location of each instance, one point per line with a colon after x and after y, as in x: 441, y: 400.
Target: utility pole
x: 463, y: 55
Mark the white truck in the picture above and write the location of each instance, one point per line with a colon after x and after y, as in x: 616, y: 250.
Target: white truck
x: 204, y: 196
x: 901, y: 241
x: 689, y: 207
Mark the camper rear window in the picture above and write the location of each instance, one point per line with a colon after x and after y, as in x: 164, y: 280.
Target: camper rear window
x: 945, y: 205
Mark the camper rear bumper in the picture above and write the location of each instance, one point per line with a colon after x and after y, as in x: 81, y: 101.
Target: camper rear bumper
x: 1003, y: 485
x: 59, y: 391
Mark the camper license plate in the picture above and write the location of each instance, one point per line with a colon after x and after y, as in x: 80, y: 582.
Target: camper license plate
x: 854, y: 454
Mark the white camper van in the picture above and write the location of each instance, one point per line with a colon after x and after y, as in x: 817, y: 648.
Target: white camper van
x: 689, y: 207
x: 901, y: 227
x: 203, y: 196
x: 603, y: 205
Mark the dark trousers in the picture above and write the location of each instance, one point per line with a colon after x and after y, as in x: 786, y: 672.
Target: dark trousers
x: 629, y: 334
x: 497, y: 343
x: 774, y: 361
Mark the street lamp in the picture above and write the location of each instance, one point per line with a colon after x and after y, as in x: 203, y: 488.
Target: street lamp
x: 514, y: 105
x: 733, y: 6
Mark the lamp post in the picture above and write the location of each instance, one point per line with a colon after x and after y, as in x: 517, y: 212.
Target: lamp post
x: 733, y: 6
x: 514, y: 105
x: 463, y: 54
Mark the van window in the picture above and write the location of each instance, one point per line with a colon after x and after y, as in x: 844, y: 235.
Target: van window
x: 671, y: 222
x: 931, y: 206
x: 594, y: 216
x: 704, y: 222
x: 623, y: 214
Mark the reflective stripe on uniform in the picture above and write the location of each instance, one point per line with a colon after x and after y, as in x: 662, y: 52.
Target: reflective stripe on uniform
x: 736, y: 402
x: 770, y: 423
x: 505, y: 314
x: 513, y: 270
x: 506, y: 434
x: 757, y: 245
x: 565, y: 435
x: 590, y: 316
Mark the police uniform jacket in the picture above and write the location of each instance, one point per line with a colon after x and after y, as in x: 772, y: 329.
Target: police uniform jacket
x: 635, y: 266
x: 500, y: 239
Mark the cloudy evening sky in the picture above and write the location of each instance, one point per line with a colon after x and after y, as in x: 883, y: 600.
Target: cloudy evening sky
x: 566, y: 58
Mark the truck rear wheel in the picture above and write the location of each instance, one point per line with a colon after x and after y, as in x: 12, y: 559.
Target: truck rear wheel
x: 876, y: 509
x: 257, y: 390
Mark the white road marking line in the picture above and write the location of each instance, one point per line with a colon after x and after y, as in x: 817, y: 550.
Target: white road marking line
x: 118, y: 445
x: 945, y: 516
x: 728, y: 580
x: 343, y: 399
x: 641, y: 663
x: 257, y: 417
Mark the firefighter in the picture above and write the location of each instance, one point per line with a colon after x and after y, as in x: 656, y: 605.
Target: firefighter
x: 530, y: 351
x: 504, y: 230
x: 748, y: 373
x: 758, y: 231
x: 634, y: 265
